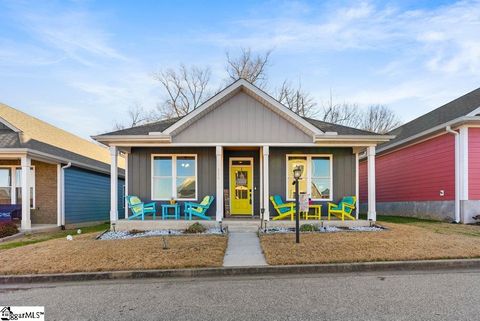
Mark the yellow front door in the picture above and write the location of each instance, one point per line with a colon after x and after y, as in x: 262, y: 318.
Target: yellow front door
x: 241, y: 187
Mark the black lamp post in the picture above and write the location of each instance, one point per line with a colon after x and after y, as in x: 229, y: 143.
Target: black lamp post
x: 297, y: 173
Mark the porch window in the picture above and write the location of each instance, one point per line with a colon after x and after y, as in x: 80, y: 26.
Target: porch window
x: 11, y: 185
x: 174, y: 176
x: 5, y: 186
x: 316, y: 178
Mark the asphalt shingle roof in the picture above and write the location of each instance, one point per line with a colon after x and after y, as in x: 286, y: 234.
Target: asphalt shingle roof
x: 459, y: 107
x: 11, y: 139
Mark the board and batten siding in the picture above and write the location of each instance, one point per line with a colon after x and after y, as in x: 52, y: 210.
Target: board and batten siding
x: 416, y: 173
x: 140, y: 168
x: 242, y: 119
x: 343, y: 171
x: 87, y: 196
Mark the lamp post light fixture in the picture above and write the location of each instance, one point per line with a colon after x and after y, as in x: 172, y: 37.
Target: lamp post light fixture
x: 297, y: 174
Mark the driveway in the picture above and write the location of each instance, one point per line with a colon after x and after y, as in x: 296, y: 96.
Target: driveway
x: 452, y: 295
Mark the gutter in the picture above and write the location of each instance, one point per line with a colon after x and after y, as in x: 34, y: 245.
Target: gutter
x: 449, y: 130
x: 62, y: 223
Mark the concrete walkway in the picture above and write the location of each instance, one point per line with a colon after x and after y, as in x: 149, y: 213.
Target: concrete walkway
x: 243, y: 248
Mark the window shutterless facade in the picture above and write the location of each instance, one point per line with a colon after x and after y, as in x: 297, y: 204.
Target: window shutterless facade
x: 317, y: 176
x: 11, y: 185
x: 174, y: 176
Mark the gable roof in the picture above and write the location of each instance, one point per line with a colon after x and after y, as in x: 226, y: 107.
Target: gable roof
x: 464, y: 106
x: 165, y: 128
x: 21, y: 130
x: 231, y: 90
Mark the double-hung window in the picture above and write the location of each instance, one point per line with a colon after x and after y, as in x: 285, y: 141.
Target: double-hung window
x: 11, y: 185
x: 316, y: 180
x: 174, y: 176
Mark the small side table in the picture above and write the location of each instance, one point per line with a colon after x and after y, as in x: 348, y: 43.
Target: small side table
x: 317, y: 212
x: 176, y: 211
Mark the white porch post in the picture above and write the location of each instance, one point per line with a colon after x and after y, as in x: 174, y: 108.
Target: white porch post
x: 219, y: 184
x: 372, y: 213
x: 463, y: 132
x: 59, y: 194
x: 266, y: 192
x: 357, y: 185
x: 26, y: 222
x: 126, y: 185
x: 113, y: 184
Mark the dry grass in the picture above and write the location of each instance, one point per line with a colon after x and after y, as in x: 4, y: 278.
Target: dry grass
x: 85, y: 254
x: 415, y: 241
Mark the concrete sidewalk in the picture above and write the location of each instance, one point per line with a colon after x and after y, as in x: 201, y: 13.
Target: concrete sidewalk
x: 244, y: 248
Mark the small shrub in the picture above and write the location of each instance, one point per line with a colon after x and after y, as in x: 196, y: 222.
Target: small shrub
x: 195, y: 228
x: 307, y: 228
x: 7, y: 229
x: 135, y: 231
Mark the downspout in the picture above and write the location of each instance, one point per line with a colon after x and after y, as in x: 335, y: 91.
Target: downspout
x: 63, y: 193
x: 457, y: 172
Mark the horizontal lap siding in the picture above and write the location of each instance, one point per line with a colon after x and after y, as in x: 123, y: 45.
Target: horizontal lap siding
x: 415, y: 173
x: 87, y: 196
x: 474, y: 163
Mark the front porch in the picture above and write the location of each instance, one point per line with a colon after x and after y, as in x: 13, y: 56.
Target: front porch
x: 37, y: 208
x: 241, y: 179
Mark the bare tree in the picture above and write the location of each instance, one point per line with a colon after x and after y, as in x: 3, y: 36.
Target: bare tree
x: 248, y: 66
x: 136, y: 116
x: 379, y: 119
x: 185, y: 89
x: 296, y: 99
x: 340, y: 113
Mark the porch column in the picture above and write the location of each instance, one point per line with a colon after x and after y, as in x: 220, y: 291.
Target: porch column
x: 266, y: 192
x: 372, y: 214
x: 59, y: 194
x: 219, y: 184
x: 126, y: 185
x: 26, y: 222
x: 357, y: 185
x: 113, y: 184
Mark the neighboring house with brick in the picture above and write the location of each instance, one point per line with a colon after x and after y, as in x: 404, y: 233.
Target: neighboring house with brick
x: 431, y: 169
x: 68, y: 176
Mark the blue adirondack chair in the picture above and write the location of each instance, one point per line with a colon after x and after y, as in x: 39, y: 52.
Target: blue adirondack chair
x: 140, y: 209
x: 198, y: 210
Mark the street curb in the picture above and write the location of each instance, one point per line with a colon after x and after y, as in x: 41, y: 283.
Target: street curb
x: 431, y: 265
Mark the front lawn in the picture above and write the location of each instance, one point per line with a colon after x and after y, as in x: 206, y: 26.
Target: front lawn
x: 411, y: 239
x: 85, y: 254
x: 45, y: 236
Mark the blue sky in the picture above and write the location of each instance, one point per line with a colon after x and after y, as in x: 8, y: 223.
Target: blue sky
x: 80, y: 64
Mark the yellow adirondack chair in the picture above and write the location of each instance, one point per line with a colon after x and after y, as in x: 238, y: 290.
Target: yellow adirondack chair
x: 284, y: 210
x: 343, y: 209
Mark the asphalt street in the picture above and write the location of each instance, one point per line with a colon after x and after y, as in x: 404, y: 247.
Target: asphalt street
x: 443, y: 295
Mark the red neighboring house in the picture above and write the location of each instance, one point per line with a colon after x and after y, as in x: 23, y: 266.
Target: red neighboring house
x: 432, y: 167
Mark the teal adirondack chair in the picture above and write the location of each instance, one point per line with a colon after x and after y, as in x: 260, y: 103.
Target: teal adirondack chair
x: 344, y: 209
x: 140, y: 209
x: 198, y: 210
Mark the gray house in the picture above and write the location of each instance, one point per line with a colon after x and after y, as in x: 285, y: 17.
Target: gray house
x: 240, y: 146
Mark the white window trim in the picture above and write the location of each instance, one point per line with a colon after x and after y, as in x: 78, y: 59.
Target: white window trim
x: 309, y: 175
x: 13, y: 183
x: 174, y: 177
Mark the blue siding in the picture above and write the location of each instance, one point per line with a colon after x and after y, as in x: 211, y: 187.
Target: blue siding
x: 87, y: 196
